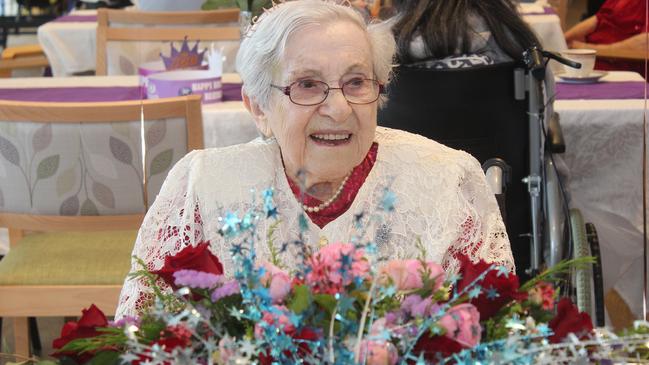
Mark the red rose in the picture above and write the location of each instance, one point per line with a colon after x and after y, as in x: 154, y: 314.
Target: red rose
x: 436, y: 348
x: 505, y: 285
x: 197, y: 258
x: 171, y: 337
x: 569, y: 320
x: 91, y: 319
x: 305, y: 334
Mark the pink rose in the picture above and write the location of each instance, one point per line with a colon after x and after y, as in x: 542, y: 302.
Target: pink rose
x: 278, y: 319
x: 325, y: 274
x: 378, y: 353
x: 277, y: 281
x: 462, y: 324
x: 407, y: 274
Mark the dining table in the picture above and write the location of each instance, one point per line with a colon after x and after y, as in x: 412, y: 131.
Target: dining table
x: 69, y: 42
x: 602, y: 123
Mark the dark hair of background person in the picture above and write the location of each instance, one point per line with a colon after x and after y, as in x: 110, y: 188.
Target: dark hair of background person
x: 443, y: 24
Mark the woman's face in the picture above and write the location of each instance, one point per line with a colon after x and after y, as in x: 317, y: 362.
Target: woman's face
x: 324, y: 141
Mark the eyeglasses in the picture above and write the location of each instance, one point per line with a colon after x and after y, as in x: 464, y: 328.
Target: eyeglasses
x: 313, y: 92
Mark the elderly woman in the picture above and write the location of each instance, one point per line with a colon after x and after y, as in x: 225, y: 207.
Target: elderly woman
x: 312, y: 73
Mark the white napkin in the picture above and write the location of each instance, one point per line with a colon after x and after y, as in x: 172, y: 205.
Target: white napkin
x: 215, y: 60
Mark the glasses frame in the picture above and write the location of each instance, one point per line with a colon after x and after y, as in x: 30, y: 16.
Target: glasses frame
x: 286, y: 90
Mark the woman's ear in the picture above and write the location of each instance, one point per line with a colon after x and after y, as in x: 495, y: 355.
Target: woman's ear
x: 261, y: 120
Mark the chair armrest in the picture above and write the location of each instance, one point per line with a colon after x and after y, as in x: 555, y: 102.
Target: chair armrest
x: 555, y: 142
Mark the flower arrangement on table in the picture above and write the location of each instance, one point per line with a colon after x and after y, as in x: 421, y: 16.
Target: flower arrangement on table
x: 343, y: 305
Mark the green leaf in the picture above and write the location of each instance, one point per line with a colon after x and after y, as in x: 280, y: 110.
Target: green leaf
x: 161, y: 162
x: 42, y: 137
x: 70, y: 206
x: 89, y: 208
x: 9, y: 151
x: 326, y: 301
x: 48, y: 167
x: 66, y: 180
x: 105, y: 358
x: 301, y: 299
x: 156, y: 133
x: 103, y: 194
x: 120, y: 150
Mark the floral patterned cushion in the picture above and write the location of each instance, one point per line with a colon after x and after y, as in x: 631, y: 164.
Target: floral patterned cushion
x: 85, y: 168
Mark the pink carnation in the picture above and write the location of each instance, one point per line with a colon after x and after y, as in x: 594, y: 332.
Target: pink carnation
x: 543, y: 294
x: 277, y: 281
x: 278, y: 319
x: 325, y: 274
x: 407, y: 274
x: 462, y: 324
x: 378, y: 353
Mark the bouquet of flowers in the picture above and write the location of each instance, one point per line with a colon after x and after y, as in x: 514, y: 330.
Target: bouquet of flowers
x: 343, y: 305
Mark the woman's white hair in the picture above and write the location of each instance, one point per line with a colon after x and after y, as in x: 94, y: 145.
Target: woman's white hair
x: 262, y: 48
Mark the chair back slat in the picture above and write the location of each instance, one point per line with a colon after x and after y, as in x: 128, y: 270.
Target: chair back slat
x: 85, y: 159
x: 117, y: 28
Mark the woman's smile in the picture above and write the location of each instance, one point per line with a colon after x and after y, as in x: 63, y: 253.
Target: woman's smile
x: 329, y: 139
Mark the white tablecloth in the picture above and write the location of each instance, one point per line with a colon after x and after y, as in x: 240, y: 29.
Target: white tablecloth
x: 71, y: 46
x: 604, y: 162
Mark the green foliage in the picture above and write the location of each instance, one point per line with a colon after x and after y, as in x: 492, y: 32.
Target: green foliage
x: 109, y: 338
x: 301, y: 299
x: 221, y: 314
x: 258, y: 6
x: 169, y: 301
x: 557, y: 272
x: 270, y: 239
x: 105, y: 358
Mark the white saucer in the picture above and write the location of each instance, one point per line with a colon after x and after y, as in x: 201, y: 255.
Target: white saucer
x: 591, y: 78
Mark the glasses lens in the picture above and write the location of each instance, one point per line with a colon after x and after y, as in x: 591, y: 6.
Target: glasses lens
x: 361, y: 91
x: 308, y: 92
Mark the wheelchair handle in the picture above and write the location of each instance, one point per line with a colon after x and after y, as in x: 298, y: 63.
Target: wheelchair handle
x: 534, y: 59
x: 555, y: 56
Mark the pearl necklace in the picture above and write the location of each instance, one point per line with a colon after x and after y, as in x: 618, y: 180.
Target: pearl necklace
x: 328, y: 202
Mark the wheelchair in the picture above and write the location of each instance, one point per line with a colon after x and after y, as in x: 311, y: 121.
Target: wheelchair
x: 496, y: 113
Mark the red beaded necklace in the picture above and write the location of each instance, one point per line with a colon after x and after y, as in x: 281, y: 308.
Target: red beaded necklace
x: 345, y: 198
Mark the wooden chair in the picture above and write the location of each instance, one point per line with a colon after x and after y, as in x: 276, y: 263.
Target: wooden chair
x: 81, y: 253
x: 118, y: 25
x: 22, y: 57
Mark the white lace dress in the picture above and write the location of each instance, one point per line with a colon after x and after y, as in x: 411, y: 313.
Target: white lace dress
x: 442, y: 199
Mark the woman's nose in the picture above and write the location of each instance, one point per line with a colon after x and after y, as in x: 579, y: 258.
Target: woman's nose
x: 336, y: 106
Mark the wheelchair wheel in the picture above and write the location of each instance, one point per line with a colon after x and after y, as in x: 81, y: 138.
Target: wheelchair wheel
x: 598, y: 281
x: 582, y: 277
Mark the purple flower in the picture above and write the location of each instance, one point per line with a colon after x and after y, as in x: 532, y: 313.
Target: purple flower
x: 196, y: 279
x: 409, y: 302
x: 227, y: 289
x: 422, y: 309
x: 126, y: 320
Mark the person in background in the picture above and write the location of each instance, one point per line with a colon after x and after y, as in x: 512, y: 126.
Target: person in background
x: 617, y: 26
x: 460, y: 33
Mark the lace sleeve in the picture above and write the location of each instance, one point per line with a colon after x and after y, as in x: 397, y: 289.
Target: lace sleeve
x: 172, y: 222
x: 482, y: 234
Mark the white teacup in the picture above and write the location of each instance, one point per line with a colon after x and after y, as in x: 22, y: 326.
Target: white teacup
x: 584, y: 56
